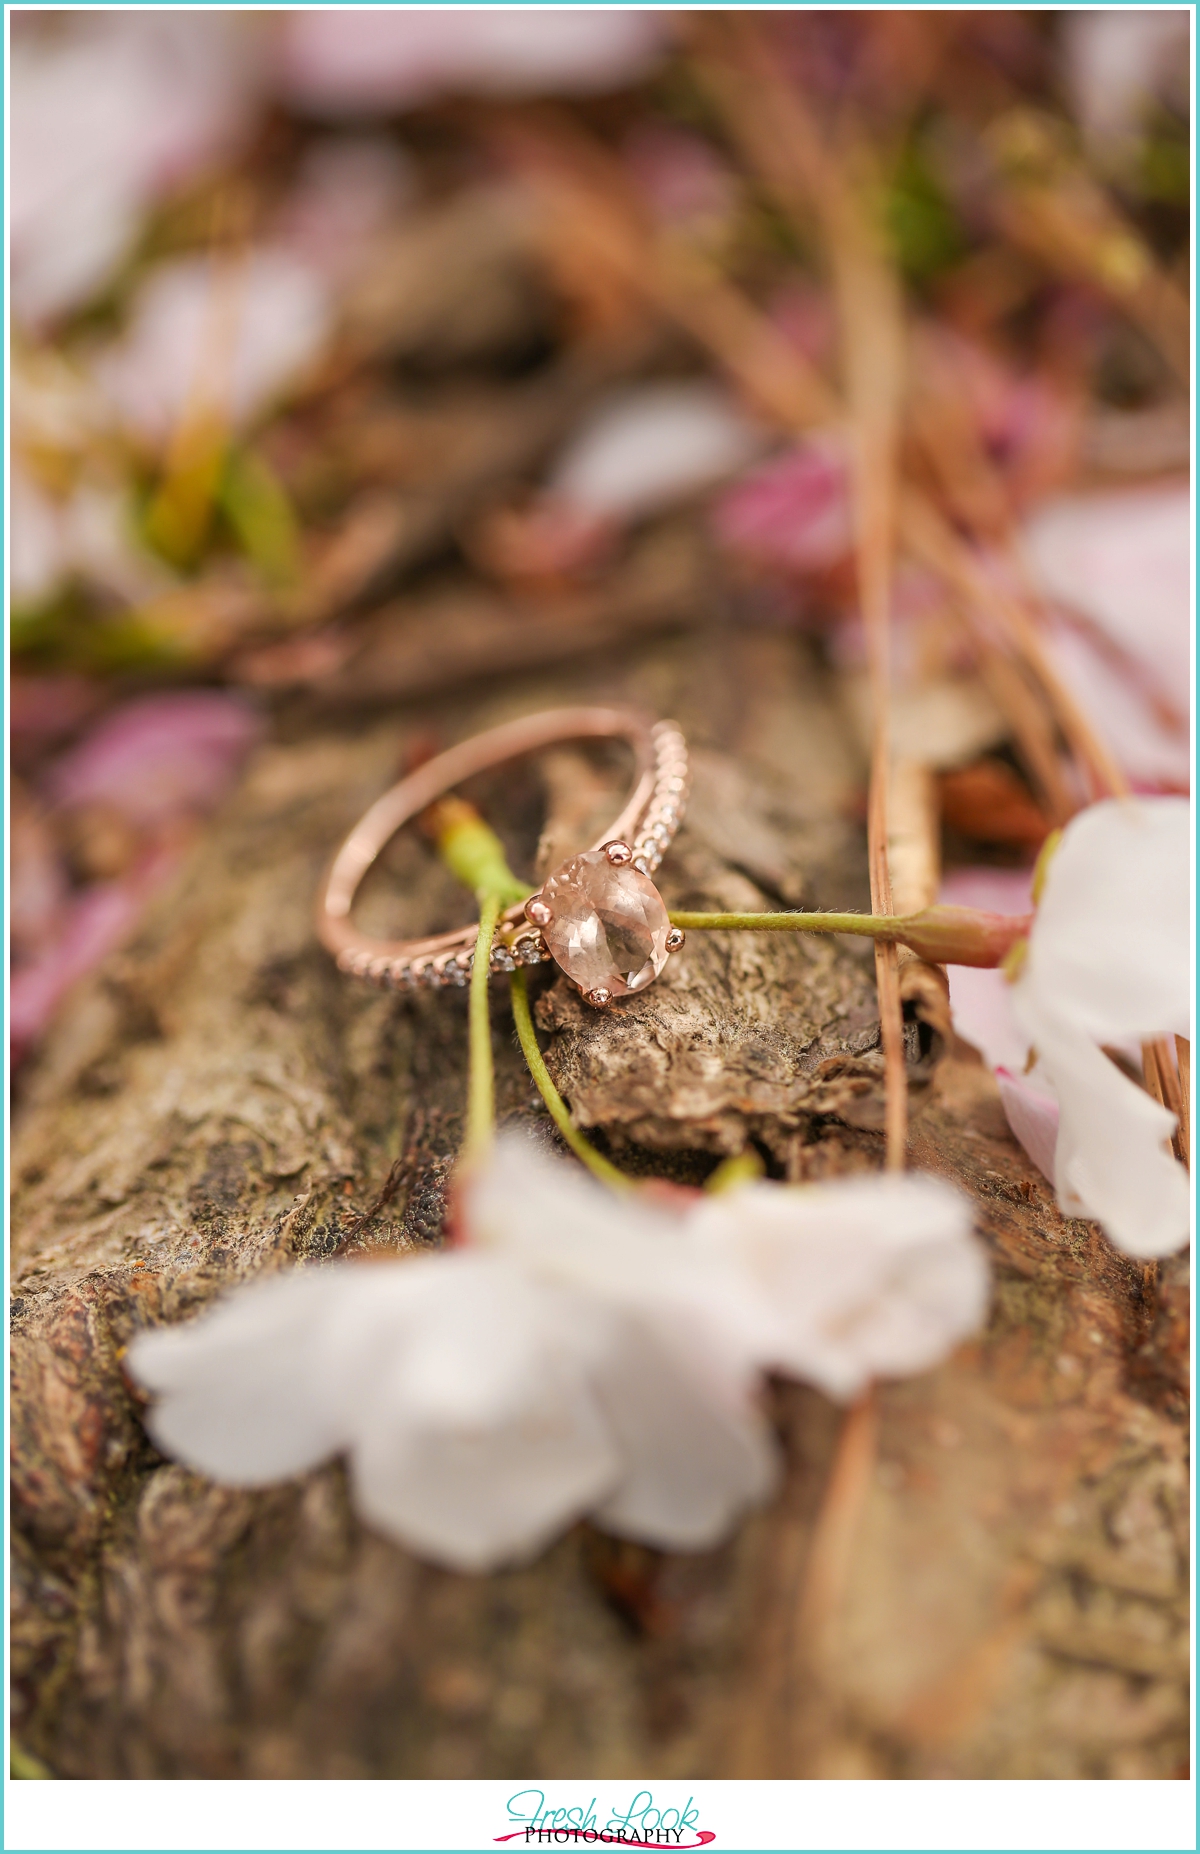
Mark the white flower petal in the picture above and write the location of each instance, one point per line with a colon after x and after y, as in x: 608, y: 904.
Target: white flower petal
x: 982, y: 1008
x: 1115, y: 61
x: 562, y: 1224
x: 238, y: 335
x: 384, y: 59
x: 241, y: 1396
x: 1123, y: 557
x: 695, y: 1450
x: 1032, y: 1119
x: 109, y: 114
x: 652, y: 446
x: 1149, y: 741
x: 865, y: 1277
x: 479, y: 1438
x: 1111, y: 1161
x: 1109, y: 950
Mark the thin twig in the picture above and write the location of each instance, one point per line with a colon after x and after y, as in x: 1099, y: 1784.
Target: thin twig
x: 871, y: 323
x: 827, y: 1571
x: 1183, y: 1052
x: 773, y: 127
x: 1166, y: 1085
x: 558, y: 1109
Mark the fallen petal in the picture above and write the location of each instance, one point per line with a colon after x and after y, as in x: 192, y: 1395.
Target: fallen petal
x: 1032, y: 1118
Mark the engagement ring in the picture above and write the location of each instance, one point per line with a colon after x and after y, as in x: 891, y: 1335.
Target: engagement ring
x: 599, y: 916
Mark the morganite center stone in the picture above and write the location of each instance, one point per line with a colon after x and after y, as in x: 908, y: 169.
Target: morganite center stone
x: 608, y: 925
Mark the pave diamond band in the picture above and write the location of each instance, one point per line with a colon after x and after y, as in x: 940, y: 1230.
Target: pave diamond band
x: 647, y: 824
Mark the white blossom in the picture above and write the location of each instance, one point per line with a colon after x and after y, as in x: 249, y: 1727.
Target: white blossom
x: 1117, y: 60
x: 233, y: 336
x: 1117, y: 564
x: 486, y: 1400
x: 583, y: 1354
x: 864, y: 1277
x: 1108, y: 961
x: 383, y: 59
x: 110, y: 113
x: 651, y: 446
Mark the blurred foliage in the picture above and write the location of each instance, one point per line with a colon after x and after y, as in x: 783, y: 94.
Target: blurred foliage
x: 1164, y: 173
x: 926, y: 235
x: 258, y: 511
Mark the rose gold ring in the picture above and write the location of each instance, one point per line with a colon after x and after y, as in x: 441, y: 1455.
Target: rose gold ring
x: 598, y: 916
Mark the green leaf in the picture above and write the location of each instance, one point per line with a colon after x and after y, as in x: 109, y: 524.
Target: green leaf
x: 256, y: 506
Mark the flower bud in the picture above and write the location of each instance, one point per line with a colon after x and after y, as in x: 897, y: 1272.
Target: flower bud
x: 962, y: 936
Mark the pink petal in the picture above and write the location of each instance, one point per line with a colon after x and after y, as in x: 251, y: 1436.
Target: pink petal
x: 791, y: 512
x: 681, y: 176
x: 981, y: 997
x: 160, y: 756
x: 103, y: 917
x: 1032, y: 1118
x: 998, y: 891
x: 37, y: 559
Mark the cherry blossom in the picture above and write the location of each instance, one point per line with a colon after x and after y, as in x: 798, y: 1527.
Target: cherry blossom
x: 639, y: 452
x: 1108, y: 961
x: 577, y: 1354
x: 1107, y: 966
x: 867, y: 1277
x: 485, y: 1400
x: 89, y: 536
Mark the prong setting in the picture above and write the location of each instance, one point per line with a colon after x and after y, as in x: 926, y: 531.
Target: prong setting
x: 618, y: 853
x: 537, y: 911
x: 675, y: 939
x: 599, y: 997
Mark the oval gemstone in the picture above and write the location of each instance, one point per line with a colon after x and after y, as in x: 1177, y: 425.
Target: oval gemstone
x: 608, y: 925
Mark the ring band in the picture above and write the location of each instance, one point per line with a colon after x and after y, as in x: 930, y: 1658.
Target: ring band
x: 648, y: 822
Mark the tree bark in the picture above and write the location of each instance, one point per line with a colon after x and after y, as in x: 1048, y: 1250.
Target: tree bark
x: 1007, y: 1596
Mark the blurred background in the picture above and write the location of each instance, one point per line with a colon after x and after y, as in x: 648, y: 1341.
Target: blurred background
x: 361, y: 355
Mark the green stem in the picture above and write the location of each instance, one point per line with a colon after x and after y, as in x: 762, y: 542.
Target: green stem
x: 947, y: 936
x: 878, y: 926
x: 743, y: 1168
x: 481, y: 1092
x: 527, y: 1037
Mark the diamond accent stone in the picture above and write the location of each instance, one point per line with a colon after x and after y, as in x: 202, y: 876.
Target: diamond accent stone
x: 608, y: 924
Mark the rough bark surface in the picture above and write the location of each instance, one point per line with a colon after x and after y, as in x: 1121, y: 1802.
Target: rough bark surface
x: 218, y: 1103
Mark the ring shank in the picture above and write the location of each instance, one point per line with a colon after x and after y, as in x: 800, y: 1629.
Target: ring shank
x: 358, y: 952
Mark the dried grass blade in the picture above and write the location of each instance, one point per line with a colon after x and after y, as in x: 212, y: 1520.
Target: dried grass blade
x: 1183, y: 1052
